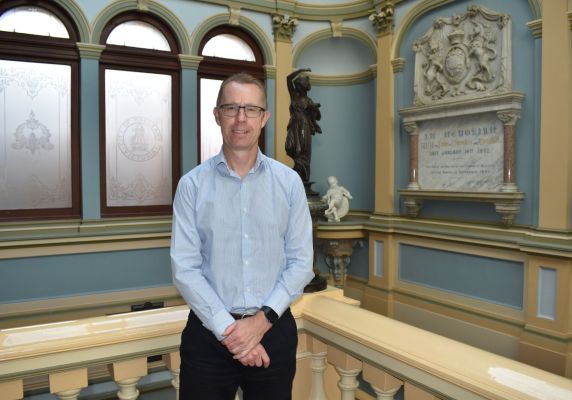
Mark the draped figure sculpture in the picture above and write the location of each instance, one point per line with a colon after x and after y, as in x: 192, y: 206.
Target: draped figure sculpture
x: 304, y: 114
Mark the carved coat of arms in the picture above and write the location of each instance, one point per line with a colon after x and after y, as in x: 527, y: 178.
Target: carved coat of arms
x: 463, y: 56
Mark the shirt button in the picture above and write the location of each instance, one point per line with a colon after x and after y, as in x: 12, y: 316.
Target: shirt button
x: 246, y: 235
x: 246, y: 262
x: 244, y: 210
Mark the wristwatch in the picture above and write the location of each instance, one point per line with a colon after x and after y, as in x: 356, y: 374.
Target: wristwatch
x: 270, y: 314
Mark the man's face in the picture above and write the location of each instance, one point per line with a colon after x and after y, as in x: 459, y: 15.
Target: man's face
x: 240, y: 132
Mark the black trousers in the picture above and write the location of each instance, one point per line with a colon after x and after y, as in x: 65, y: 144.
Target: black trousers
x: 208, y: 371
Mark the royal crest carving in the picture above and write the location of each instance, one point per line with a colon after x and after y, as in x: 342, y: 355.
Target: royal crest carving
x: 463, y: 56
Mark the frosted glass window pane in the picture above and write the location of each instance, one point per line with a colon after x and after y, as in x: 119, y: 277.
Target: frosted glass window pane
x: 211, y: 138
x: 34, y: 21
x: 138, y: 34
x: 547, y: 293
x: 138, y: 138
x: 228, y: 46
x: 35, y: 135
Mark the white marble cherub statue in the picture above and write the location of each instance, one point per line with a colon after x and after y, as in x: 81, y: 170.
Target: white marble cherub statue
x: 337, y: 198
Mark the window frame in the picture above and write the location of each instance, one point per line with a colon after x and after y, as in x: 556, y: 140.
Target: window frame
x: 138, y: 59
x: 221, y: 68
x: 49, y: 50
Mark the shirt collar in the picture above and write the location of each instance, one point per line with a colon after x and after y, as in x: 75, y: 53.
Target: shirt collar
x: 220, y: 162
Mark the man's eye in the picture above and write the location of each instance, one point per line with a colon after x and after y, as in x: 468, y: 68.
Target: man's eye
x: 252, y: 108
x: 232, y: 107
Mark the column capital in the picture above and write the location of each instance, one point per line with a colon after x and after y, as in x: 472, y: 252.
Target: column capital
x: 411, y: 128
x: 508, y: 117
x: 382, y: 18
x: 90, y: 51
x: 190, y: 62
x: 398, y: 64
x: 283, y: 27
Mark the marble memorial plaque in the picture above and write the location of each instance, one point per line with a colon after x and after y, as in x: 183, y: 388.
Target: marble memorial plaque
x: 462, y: 153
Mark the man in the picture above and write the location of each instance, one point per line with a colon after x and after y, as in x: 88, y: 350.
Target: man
x: 241, y: 253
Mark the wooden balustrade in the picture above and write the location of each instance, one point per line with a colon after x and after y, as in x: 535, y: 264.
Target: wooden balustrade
x: 337, y: 341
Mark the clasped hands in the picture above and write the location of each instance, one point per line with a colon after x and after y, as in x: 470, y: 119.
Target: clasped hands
x: 242, y: 338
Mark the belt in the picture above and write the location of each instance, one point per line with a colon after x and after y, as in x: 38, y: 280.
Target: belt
x: 241, y: 316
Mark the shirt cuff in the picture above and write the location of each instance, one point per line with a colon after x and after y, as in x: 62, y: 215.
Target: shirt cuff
x: 279, y: 301
x: 219, y: 322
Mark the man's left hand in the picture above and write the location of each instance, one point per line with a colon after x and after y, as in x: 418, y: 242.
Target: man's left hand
x: 242, y: 336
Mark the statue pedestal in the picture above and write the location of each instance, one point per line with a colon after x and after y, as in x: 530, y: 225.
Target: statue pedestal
x: 317, y: 208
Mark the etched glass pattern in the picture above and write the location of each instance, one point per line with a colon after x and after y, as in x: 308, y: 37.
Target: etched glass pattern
x: 228, y: 46
x: 33, y: 21
x: 211, y: 138
x: 35, y: 135
x: 138, y: 132
x: 138, y: 34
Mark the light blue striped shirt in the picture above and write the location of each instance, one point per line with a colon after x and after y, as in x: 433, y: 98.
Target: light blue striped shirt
x: 239, y: 244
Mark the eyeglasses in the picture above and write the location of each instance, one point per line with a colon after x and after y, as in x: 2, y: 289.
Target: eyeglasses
x: 231, y: 110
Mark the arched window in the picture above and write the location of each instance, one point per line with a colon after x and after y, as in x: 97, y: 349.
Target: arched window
x: 39, y: 112
x: 139, y: 97
x: 225, y: 50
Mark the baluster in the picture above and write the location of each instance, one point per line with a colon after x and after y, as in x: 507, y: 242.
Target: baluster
x: 384, y: 385
x: 173, y: 363
x: 318, y: 366
x: 12, y: 390
x: 349, y: 368
x: 126, y: 374
x: 67, y: 385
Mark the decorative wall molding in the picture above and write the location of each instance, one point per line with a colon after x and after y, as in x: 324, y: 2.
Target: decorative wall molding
x: 398, y: 65
x: 382, y: 18
x: 90, y: 51
x: 190, y: 62
x: 284, y: 27
x: 536, y: 28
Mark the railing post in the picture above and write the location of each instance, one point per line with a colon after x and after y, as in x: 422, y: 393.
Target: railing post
x: 173, y: 363
x: 349, y: 368
x: 12, y: 390
x: 67, y: 385
x: 126, y: 374
x: 384, y: 385
x: 318, y: 366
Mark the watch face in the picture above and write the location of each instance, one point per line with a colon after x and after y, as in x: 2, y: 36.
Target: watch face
x: 271, y: 315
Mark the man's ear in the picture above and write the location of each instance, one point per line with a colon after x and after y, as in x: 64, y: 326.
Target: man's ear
x: 265, y: 118
x: 216, y: 115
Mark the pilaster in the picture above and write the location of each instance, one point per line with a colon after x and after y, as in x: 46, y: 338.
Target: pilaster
x: 382, y: 20
x: 556, y: 118
x: 284, y: 27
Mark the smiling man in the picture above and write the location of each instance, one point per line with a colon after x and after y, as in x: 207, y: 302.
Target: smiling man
x: 241, y: 253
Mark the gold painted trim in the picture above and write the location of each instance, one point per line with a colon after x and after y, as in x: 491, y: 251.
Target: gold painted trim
x: 81, y: 21
x: 343, y: 80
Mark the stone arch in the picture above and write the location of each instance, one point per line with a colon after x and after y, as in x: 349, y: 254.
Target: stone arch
x: 327, y: 34
x: 152, y: 7
x: 250, y: 26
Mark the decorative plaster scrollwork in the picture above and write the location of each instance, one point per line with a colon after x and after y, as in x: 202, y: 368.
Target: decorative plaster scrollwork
x: 382, y: 19
x: 284, y: 26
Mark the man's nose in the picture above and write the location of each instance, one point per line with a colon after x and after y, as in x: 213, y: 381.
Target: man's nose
x: 241, y: 115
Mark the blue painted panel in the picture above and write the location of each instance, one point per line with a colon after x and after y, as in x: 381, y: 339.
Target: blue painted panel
x: 38, y: 278
x: 490, y: 279
x: 189, y: 135
x: 378, y: 266
x: 89, y: 125
x: 525, y: 76
x: 547, y: 290
x: 346, y: 148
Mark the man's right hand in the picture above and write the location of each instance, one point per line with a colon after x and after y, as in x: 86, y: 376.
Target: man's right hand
x: 257, y: 357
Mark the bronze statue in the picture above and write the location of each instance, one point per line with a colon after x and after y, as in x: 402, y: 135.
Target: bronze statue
x: 304, y: 114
